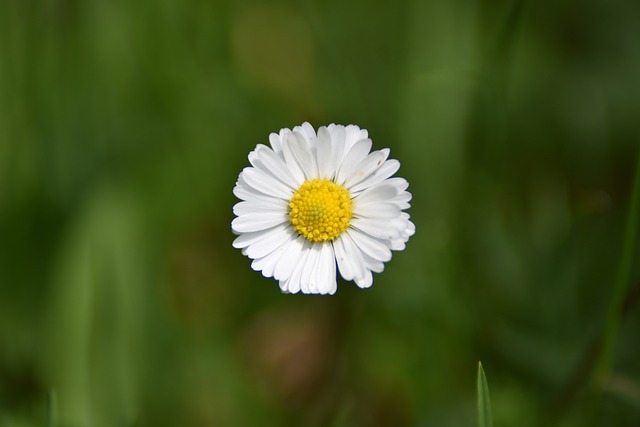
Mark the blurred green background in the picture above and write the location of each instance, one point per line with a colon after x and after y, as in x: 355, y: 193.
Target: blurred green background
x: 124, y: 124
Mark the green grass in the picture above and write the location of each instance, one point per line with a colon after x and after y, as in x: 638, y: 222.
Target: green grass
x: 485, y: 418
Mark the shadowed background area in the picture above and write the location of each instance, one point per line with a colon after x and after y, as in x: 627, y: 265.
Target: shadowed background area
x: 124, y: 125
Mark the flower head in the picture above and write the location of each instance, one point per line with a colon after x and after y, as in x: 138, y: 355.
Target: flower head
x: 316, y: 201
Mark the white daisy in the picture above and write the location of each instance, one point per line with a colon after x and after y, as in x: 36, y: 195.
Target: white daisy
x: 311, y: 201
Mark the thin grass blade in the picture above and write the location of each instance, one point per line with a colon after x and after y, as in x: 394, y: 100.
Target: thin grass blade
x: 485, y: 418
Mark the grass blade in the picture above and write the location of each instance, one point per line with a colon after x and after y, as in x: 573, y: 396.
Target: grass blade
x: 485, y: 419
x: 614, y: 310
x: 52, y: 409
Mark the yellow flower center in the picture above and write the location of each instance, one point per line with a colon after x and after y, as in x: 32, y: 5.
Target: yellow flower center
x: 320, y: 210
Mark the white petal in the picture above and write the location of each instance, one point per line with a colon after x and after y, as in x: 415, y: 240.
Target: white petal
x: 338, y: 146
x: 276, y: 142
x: 374, y: 265
x: 244, y: 191
x: 271, y: 242
x: 381, y: 192
x: 407, y: 229
x: 271, y: 262
x: 400, y: 183
x: 378, y: 228
x: 292, y: 284
x: 366, y: 167
x: 385, y: 170
x: 266, y: 184
x: 402, y: 200
x: 333, y: 276
x: 324, y: 154
x: 302, y: 153
x: 352, y: 159
x: 411, y: 229
x: 260, y: 205
x: 294, y: 166
x: 370, y: 246
x: 290, y: 258
x: 258, y: 221
x: 284, y: 287
x: 325, y: 275
x: 381, y: 210
x: 403, y: 197
x: 267, y: 263
x: 354, y: 254
x: 354, y: 134
x: 308, y: 132
x: 345, y: 264
x: 398, y: 244
x: 365, y: 281
x: 307, y: 284
x: 401, y: 223
x: 363, y: 277
x: 246, y: 239
x: 276, y: 165
x: 252, y: 156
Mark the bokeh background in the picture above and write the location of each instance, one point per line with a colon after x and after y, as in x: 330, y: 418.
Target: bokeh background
x: 124, y: 124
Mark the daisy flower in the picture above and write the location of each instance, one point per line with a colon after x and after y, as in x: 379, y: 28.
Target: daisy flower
x: 314, y: 203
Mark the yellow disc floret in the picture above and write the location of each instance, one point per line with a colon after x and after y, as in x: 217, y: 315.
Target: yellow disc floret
x: 320, y: 210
